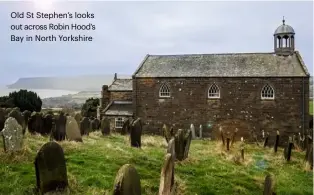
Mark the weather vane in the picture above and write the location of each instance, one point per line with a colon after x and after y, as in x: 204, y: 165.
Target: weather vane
x: 283, y: 20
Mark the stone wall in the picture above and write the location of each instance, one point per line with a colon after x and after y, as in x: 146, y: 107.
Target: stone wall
x: 121, y: 95
x: 240, y: 105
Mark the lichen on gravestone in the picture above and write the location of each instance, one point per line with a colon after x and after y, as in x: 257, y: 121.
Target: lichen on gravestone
x: 12, y: 135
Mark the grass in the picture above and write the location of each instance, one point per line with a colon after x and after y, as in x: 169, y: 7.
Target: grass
x: 92, y: 167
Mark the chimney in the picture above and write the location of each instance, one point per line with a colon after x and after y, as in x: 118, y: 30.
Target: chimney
x: 115, y: 76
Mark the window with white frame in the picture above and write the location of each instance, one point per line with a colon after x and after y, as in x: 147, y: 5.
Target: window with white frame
x: 268, y: 92
x: 213, y: 91
x: 164, y: 90
x: 119, y: 122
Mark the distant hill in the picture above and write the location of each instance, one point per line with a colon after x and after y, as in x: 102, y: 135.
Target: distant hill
x: 75, y: 83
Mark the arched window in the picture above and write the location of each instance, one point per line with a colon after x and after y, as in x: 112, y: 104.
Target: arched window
x: 213, y: 91
x: 164, y: 90
x: 268, y: 92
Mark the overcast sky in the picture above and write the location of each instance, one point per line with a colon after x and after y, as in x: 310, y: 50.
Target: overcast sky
x: 127, y: 31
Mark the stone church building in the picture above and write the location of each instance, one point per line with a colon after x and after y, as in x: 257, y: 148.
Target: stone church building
x: 250, y: 92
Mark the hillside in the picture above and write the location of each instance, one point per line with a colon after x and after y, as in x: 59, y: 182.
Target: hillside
x: 93, y: 165
x: 75, y: 83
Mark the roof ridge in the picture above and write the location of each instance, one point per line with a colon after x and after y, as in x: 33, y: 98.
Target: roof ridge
x: 196, y: 54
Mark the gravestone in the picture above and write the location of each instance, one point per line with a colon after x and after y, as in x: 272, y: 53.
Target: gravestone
x: 2, y: 118
x: 182, y: 144
x: 94, y: 124
x: 171, y: 148
x: 166, y: 132
x: 72, y: 130
x: 50, y: 167
x: 228, y: 141
x: 35, y: 123
x: 47, y: 124
x: 60, y: 132
x: 105, y: 126
x: 26, y: 114
x: 12, y: 135
x: 15, y: 113
x: 126, y: 127
x: 136, y: 133
x: 268, y: 186
x: 309, y: 158
x: 192, y: 128
x: 187, y: 143
x: 201, y: 131
x: 276, y: 142
x: 266, y: 139
x: 127, y: 181
x: 85, y: 126
x: 78, y: 118
x: 288, y: 150
x: 167, y: 176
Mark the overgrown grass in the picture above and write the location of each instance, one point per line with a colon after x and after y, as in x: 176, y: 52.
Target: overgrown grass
x: 209, y: 169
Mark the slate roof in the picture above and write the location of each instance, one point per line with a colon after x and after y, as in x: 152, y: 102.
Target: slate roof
x: 119, y: 108
x: 121, y: 85
x: 222, y: 65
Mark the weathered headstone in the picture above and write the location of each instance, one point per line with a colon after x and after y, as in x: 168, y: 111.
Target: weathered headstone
x: 171, y: 148
x: 15, y: 113
x: 35, y: 123
x: 136, y: 133
x: 276, y: 142
x: 288, y: 150
x: 72, y: 130
x: 268, y: 186
x: 60, y: 132
x: 47, y: 124
x: 167, y: 132
x: 309, y: 158
x: 12, y: 135
x: 192, y: 128
x: 85, y: 126
x: 127, y: 181
x: 78, y: 118
x: 50, y: 167
x: 94, y: 124
x: 201, y: 132
x: 167, y: 176
x: 126, y: 127
x: 182, y: 144
x: 187, y: 143
x: 26, y: 114
x: 105, y: 126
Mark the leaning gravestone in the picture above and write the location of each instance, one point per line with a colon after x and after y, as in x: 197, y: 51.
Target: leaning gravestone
x: 268, y: 186
x: 187, y: 143
x: 166, y: 186
x: 166, y: 132
x: 72, y: 130
x: 127, y: 181
x: 85, y: 126
x: 192, y: 128
x: 2, y: 118
x: 171, y: 148
x: 105, y: 126
x: 136, y: 133
x: 50, y: 167
x: 12, y: 135
x: 35, y: 123
x: 182, y: 144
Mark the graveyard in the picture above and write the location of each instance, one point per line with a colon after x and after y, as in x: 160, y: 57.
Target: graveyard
x: 209, y: 168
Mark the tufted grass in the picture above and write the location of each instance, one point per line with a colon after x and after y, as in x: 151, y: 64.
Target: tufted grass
x: 92, y: 167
